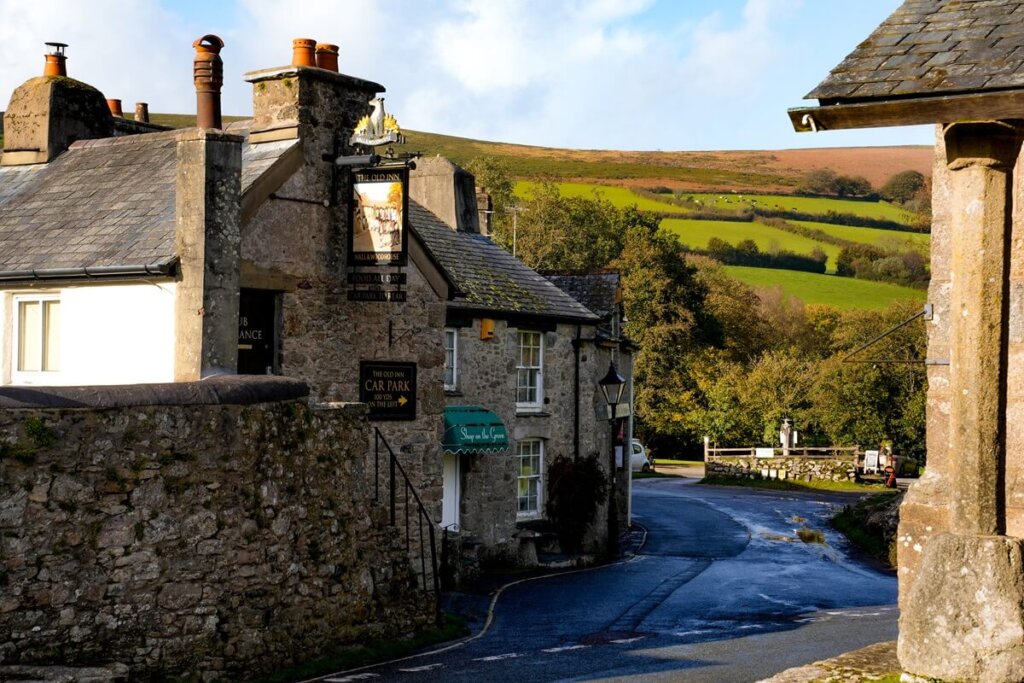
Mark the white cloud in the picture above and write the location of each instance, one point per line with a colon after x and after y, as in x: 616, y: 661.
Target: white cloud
x: 129, y: 49
x: 728, y: 57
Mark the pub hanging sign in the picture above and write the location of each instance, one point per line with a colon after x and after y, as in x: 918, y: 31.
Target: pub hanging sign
x: 380, y: 222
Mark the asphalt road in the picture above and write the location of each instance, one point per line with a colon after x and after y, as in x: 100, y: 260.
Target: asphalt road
x: 723, y: 590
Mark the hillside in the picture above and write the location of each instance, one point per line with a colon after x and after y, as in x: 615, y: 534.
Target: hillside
x: 742, y: 171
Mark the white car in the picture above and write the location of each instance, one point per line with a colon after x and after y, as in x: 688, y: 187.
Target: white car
x: 638, y: 460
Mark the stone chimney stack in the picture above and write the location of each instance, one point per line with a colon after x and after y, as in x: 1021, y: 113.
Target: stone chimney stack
x: 208, y: 241
x: 208, y: 75
x: 46, y: 114
x: 309, y: 99
x: 447, y: 191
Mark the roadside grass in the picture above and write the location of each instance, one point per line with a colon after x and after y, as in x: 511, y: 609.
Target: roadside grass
x: 852, y: 523
x: 791, y: 485
x: 678, y: 463
x: 354, y: 656
x: 814, y: 288
x: 620, y: 197
x: 819, y: 205
x: 893, y: 240
x: 697, y: 233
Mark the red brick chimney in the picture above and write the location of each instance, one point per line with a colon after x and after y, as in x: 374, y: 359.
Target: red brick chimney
x: 208, y: 75
x: 115, y: 107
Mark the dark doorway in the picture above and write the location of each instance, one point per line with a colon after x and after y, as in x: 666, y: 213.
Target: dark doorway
x: 257, y: 331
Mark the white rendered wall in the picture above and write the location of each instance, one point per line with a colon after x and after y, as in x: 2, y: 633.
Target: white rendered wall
x: 110, y: 334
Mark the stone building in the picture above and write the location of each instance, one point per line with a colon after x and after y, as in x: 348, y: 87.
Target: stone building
x: 531, y: 355
x: 961, y: 555
x: 134, y: 255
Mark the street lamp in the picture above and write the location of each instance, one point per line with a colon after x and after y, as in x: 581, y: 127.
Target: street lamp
x: 612, y: 385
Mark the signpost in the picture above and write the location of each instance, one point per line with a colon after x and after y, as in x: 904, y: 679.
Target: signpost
x: 389, y: 389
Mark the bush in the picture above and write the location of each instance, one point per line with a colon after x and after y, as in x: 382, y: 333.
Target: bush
x: 575, y: 488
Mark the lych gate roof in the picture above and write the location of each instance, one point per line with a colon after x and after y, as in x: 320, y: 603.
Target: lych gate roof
x: 932, y: 61
x: 492, y: 280
x: 103, y: 204
x: 934, y: 47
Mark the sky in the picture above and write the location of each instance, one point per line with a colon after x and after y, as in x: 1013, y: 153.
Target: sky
x: 585, y: 74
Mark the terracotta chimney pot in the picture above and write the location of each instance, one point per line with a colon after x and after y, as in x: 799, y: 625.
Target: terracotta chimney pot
x: 115, y: 107
x: 208, y: 76
x: 303, y: 52
x: 142, y: 112
x: 55, y: 61
x: 327, y: 56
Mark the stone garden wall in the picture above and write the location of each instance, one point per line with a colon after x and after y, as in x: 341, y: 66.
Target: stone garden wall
x: 218, y: 529
x: 837, y: 468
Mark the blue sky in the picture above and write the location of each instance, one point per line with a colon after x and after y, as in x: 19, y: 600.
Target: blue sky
x: 591, y: 74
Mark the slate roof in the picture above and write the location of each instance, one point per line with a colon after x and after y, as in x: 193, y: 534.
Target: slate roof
x: 492, y: 280
x: 103, y: 204
x: 597, y: 291
x: 933, y: 47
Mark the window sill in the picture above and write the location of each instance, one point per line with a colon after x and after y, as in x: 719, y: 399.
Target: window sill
x: 532, y: 412
x: 452, y: 392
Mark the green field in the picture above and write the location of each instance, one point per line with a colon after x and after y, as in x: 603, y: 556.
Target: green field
x: 815, y: 205
x: 619, y: 196
x: 893, y: 240
x: 841, y: 292
x: 696, y: 233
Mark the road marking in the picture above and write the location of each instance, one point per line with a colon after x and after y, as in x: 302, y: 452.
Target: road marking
x: 496, y: 658
x: 353, y: 677
x: 566, y: 648
x: 624, y: 641
x: 417, y: 669
x: 683, y: 634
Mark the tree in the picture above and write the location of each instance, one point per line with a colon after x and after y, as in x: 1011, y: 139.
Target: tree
x: 853, y: 186
x: 571, y: 234
x: 902, y: 187
x: 494, y: 177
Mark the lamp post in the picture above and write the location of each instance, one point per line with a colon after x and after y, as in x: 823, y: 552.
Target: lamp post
x: 612, y: 385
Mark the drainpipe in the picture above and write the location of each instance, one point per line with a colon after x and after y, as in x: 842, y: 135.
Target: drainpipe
x: 576, y: 343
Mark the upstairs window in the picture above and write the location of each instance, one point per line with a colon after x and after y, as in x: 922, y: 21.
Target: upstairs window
x: 530, y: 371
x: 37, y: 334
x: 530, y: 453
x: 451, y: 359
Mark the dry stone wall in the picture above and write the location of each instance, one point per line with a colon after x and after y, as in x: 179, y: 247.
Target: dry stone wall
x: 795, y: 468
x: 207, y: 539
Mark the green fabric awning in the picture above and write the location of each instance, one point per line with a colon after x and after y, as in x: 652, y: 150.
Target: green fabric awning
x: 472, y: 429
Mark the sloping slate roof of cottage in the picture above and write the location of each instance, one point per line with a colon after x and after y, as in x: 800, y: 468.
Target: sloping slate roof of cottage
x: 492, y: 279
x: 595, y: 291
x: 933, y: 47
x: 102, y: 204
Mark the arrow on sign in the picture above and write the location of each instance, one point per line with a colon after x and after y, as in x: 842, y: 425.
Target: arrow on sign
x: 402, y: 400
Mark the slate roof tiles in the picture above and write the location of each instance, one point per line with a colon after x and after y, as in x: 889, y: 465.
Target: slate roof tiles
x: 933, y: 47
x: 103, y: 203
x: 492, y: 279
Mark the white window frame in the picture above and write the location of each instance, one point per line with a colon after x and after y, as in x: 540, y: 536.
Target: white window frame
x: 538, y: 476
x: 538, y: 402
x: 19, y: 376
x: 453, y: 334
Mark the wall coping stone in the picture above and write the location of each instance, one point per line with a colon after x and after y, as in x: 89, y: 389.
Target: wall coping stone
x: 217, y: 390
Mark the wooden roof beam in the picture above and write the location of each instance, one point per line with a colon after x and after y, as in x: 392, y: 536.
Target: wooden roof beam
x: 995, y: 106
